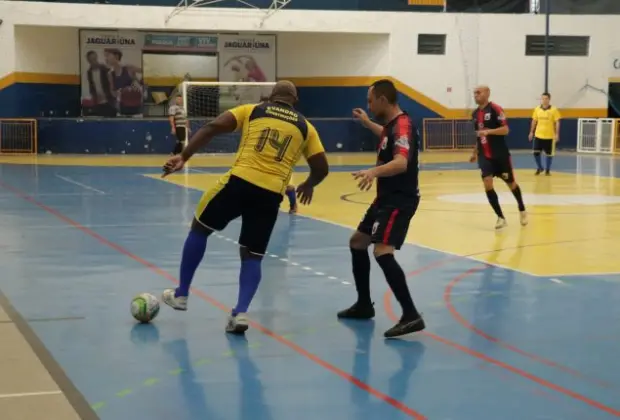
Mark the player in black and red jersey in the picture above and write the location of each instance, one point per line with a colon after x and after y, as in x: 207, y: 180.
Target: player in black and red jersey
x: 492, y: 153
x: 386, y: 222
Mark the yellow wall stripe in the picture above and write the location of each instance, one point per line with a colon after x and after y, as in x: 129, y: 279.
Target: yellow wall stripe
x: 426, y: 2
x: 352, y: 81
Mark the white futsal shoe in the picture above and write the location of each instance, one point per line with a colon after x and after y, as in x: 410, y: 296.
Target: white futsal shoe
x: 176, y: 303
x: 237, y: 324
x: 501, y: 223
x: 524, y: 218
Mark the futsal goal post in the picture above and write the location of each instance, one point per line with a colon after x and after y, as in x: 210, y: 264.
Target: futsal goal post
x: 443, y: 134
x: 600, y: 135
x: 204, y: 101
x: 18, y: 136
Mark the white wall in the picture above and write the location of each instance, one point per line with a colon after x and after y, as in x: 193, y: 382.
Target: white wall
x: 323, y: 55
x: 46, y: 49
x: 487, y: 49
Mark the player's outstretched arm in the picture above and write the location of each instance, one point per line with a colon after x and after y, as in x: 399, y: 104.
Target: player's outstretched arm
x: 362, y: 116
x: 224, y: 123
x: 319, y: 169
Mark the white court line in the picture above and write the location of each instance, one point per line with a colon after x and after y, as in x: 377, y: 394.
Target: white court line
x: 79, y: 184
x: 30, y: 394
x: 130, y: 225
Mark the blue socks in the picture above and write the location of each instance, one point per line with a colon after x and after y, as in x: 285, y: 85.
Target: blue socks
x: 549, y: 161
x: 193, y: 251
x: 292, y: 197
x: 538, y: 160
x: 249, y: 279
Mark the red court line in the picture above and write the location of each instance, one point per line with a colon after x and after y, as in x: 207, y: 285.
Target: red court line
x: 387, y: 301
x: 298, y: 349
x: 457, y: 316
x: 447, y: 296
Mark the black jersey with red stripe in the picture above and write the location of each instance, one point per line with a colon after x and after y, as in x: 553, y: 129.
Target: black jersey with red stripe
x: 490, y: 117
x: 399, y: 137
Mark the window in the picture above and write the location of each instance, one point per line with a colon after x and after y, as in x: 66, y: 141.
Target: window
x: 559, y: 46
x: 431, y: 44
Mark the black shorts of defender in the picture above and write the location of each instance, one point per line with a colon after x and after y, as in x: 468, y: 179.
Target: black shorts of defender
x: 543, y: 145
x: 388, y: 224
x: 498, y: 168
x: 257, y: 207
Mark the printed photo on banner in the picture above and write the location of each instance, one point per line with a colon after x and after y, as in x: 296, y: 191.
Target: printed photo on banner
x: 111, y: 73
x: 246, y: 59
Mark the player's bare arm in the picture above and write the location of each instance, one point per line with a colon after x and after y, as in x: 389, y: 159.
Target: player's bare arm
x: 319, y: 169
x: 532, y: 129
x: 500, y: 131
x: 362, y: 116
x: 395, y: 167
x: 557, y: 131
x: 224, y: 123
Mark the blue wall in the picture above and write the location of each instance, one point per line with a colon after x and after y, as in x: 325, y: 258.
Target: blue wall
x: 153, y: 136
x: 331, y: 105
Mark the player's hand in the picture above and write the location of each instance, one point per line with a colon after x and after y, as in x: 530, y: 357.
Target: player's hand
x: 556, y: 139
x: 304, y: 193
x: 365, y: 178
x: 473, y: 158
x: 360, y: 114
x: 174, y: 164
x: 530, y: 137
x: 482, y: 133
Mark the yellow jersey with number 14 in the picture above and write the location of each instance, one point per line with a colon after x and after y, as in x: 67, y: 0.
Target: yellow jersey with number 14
x: 545, y: 122
x: 273, y: 138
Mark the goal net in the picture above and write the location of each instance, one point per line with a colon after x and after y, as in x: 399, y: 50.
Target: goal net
x: 203, y: 101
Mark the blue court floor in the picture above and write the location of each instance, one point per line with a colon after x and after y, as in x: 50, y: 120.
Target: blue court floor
x: 78, y: 242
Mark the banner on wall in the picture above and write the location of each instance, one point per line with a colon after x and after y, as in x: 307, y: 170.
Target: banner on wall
x: 246, y: 59
x: 111, y: 73
x: 189, y: 43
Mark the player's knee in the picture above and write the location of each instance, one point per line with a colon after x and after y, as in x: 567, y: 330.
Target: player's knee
x: 359, y: 240
x: 200, y: 228
x: 245, y: 254
x: 382, y: 249
x: 488, y: 183
x: 536, y: 152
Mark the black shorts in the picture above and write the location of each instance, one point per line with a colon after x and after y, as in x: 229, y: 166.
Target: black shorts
x: 499, y: 168
x: 181, y: 133
x: 233, y: 197
x: 543, y: 145
x: 387, y: 224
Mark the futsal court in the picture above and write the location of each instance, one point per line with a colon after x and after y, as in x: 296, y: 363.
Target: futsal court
x: 522, y: 324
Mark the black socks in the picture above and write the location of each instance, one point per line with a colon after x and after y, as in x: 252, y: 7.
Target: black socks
x: 397, y: 281
x: 517, y: 193
x: 494, y: 201
x: 361, y: 273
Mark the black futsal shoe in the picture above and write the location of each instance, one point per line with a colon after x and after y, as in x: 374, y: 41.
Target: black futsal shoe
x: 358, y: 311
x: 547, y: 172
x: 405, y: 326
x: 538, y: 171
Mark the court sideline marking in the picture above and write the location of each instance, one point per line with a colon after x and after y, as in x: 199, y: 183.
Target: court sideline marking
x: 79, y: 184
x: 298, y: 349
x: 30, y: 394
x: 58, y: 375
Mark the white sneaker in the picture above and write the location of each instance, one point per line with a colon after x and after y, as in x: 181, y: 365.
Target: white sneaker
x: 237, y: 324
x: 177, y: 303
x: 524, y: 219
x: 501, y: 223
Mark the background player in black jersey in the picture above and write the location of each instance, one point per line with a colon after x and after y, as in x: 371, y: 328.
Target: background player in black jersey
x: 492, y: 152
x: 386, y: 221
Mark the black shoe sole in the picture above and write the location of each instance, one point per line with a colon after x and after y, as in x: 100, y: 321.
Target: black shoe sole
x: 408, y: 328
x: 362, y: 316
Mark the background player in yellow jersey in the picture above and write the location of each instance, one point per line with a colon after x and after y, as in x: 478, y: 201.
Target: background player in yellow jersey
x: 545, y: 132
x: 273, y: 138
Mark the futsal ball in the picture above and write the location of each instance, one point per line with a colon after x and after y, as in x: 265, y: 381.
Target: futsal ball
x: 144, y: 307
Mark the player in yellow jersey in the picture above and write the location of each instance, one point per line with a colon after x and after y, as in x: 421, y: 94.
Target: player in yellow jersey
x: 545, y: 132
x: 273, y: 138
